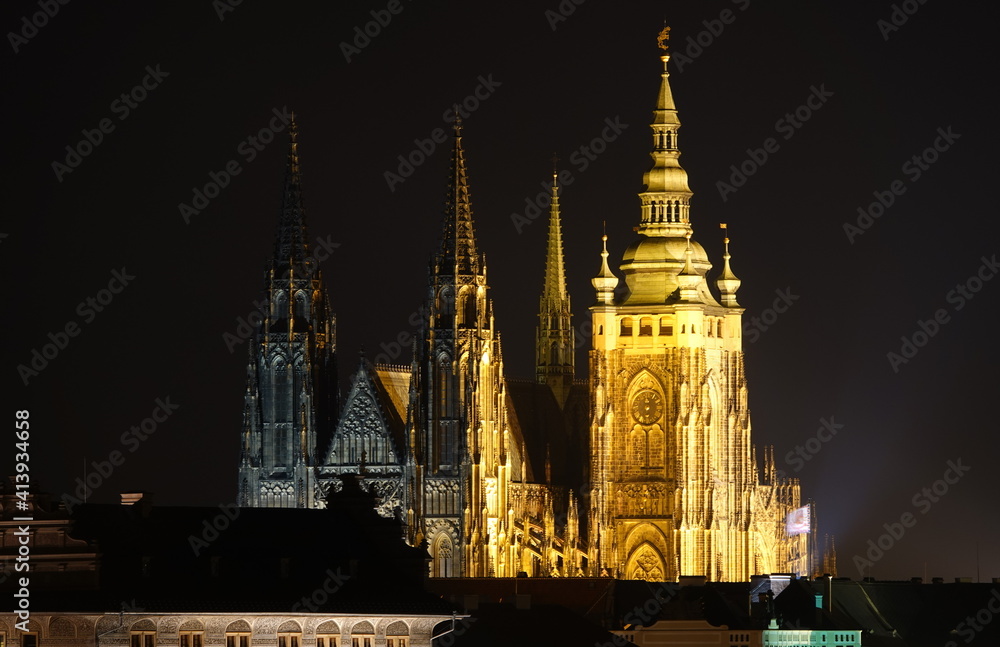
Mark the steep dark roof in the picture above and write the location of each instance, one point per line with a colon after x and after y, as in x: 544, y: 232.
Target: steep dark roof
x: 253, y: 559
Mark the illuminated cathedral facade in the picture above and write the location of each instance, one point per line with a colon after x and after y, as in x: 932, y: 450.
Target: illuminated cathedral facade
x: 646, y: 470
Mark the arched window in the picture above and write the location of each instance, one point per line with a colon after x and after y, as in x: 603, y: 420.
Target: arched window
x: 646, y: 326
x: 666, y: 328
x: 301, y: 305
x: 626, y: 327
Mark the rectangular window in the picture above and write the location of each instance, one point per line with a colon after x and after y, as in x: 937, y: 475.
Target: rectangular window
x: 237, y: 640
x: 327, y: 640
x: 192, y: 638
x: 139, y: 639
x: 289, y: 640
x: 29, y: 640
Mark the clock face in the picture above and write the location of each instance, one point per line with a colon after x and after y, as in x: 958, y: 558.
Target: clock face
x: 646, y: 407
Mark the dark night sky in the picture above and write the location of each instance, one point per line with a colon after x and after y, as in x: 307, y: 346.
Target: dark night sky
x: 826, y: 357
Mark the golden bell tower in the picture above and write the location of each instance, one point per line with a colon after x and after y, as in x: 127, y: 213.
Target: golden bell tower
x: 674, y: 480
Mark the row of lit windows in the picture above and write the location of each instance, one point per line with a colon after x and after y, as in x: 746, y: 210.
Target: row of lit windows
x: 713, y: 328
x: 234, y: 639
x: 239, y: 639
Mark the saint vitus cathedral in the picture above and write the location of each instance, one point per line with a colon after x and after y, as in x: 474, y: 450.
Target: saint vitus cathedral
x: 644, y: 471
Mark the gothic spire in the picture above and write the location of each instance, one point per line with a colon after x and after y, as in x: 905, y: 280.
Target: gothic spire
x: 554, y: 289
x: 291, y: 244
x: 458, y: 240
x: 554, y: 347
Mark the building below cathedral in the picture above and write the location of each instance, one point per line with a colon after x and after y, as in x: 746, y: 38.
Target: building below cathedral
x: 644, y: 471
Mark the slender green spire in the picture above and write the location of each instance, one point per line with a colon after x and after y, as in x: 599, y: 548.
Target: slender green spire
x: 554, y: 348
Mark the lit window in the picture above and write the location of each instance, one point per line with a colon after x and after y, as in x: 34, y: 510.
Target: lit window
x: 192, y: 638
x: 139, y: 639
x: 362, y: 641
x: 396, y: 641
x: 240, y: 639
x: 327, y: 640
x: 289, y: 639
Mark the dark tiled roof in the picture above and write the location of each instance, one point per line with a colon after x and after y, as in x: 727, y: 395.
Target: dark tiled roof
x: 342, y: 559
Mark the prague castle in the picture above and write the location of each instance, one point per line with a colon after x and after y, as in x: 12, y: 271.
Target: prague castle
x: 646, y: 470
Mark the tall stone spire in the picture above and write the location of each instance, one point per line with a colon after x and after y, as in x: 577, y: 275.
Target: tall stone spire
x: 291, y: 397
x: 458, y: 401
x: 554, y: 361
x: 458, y: 253
x: 291, y: 245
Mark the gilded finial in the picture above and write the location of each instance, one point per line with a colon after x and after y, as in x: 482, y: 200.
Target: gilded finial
x: 661, y: 40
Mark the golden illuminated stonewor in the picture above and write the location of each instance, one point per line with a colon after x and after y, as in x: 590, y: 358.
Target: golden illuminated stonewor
x: 675, y: 485
x: 644, y: 471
